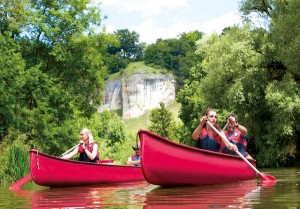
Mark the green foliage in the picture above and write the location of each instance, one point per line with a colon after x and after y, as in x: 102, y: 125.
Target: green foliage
x: 17, y: 162
x: 115, y: 63
x: 11, y: 83
x: 51, y: 71
x: 285, y: 29
x: 111, y: 128
x: 161, y: 121
x: 279, y: 143
x: 119, y: 151
x: 129, y: 45
x: 281, y: 139
x: 176, y: 55
x: 125, y: 48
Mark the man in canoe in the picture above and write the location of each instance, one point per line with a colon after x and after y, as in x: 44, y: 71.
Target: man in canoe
x: 236, y: 134
x: 87, y: 148
x: 135, y: 159
x: 206, y: 137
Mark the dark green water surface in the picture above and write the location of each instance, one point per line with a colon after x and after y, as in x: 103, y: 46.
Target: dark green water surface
x: 284, y: 194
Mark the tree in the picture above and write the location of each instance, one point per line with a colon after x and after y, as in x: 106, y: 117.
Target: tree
x: 281, y: 52
x: 161, y: 121
x: 11, y: 83
x: 57, y: 71
x: 126, y: 48
x: 176, y: 55
x: 112, y: 128
x: 129, y: 47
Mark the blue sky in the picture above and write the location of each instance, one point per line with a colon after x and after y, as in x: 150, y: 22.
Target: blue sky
x: 153, y: 19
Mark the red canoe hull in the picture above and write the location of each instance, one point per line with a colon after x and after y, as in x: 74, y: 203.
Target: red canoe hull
x: 167, y: 163
x: 51, y: 171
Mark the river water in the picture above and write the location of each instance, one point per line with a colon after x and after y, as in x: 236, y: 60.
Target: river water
x: 283, y: 194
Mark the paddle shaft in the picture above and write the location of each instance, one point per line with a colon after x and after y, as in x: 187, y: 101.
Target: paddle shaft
x: 226, y: 140
x: 225, y: 126
x: 69, y: 150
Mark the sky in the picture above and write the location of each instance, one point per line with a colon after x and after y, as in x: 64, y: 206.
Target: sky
x: 153, y: 19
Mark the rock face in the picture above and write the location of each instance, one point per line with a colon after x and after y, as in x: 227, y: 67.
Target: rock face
x: 138, y: 93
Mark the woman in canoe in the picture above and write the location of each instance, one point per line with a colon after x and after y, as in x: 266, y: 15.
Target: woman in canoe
x: 87, y: 149
x: 205, y: 136
x: 236, y: 134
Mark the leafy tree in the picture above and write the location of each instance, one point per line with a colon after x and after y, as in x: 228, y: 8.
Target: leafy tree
x: 282, y: 49
x: 161, y: 121
x: 53, y: 70
x: 130, y: 47
x: 176, y: 55
x: 124, y: 49
x: 115, y: 63
x: 11, y: 83
x: 112, y: 128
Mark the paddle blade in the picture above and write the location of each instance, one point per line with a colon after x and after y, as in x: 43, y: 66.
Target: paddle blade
x: 266, y: 177
x: 17, y: 185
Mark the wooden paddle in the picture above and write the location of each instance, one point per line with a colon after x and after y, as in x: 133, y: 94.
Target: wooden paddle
x: 18, y: 184
x: 263, y: 177
x: 225, y: 126
x: 66, y: 152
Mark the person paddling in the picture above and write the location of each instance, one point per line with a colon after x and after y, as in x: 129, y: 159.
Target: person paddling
x: 236, y: 134
x: 206, y: 138
x: 87, y: 148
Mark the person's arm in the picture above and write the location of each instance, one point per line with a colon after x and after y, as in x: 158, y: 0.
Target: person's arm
x: 93, y: 154
x: 242, y: 129
x: 71, y: 154
x: 131, y: 162
x: 198, y: 130
x: 227, y: 143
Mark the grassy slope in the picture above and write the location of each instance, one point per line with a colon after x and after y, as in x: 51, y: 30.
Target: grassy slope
x: 137, y: 67
x: 132, y: 126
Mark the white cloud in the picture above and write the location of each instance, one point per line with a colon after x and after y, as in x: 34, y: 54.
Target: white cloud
x: 153, y: 19
x: 217, y: 24
x: 146, y: 8
x: 149, y: 31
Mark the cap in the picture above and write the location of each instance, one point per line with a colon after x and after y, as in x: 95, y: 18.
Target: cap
x: 136, y: 145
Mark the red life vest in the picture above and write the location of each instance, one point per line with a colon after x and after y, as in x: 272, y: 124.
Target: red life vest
x: 83, y: 156
x: 237, y: 139
x: 209, y: 140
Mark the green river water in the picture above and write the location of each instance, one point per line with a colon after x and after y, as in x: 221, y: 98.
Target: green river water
x: 284, y: 194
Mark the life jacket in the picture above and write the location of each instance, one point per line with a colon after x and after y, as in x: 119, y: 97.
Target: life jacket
x: 237, y: 139
x: 209, y: 141
x: 135, y: 158
x: 83, y: 156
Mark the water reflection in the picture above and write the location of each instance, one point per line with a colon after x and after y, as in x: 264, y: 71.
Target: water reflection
x: 233, y: 195
x: 87, y: 196
x: 143, y: 195
x: 283, y: 194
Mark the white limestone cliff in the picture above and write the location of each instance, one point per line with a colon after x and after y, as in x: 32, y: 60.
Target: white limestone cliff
x: 138, y: 93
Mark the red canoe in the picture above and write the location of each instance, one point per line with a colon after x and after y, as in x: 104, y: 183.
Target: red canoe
x: 167, y: 163
x: 52, y: 171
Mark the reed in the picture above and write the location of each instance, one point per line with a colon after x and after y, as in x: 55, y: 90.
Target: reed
x: 18, y: 161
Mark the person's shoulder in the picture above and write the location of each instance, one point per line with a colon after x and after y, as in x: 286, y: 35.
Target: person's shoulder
x: 94, y: 143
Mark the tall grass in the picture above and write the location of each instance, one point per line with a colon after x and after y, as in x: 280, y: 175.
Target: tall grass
x: 18, y: 161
